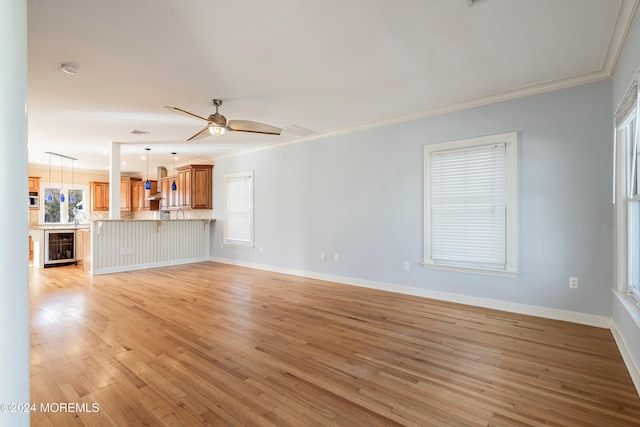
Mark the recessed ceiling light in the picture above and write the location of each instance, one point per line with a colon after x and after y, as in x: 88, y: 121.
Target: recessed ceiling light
x: 139, y: 132
x: 124, y: 163
x: 68, y: 68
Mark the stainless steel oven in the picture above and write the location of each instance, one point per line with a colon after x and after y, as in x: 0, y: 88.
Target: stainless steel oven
x: 59, y: 247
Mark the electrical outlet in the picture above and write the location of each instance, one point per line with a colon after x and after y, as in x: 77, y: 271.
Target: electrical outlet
x: 406, y: 265
x: 322, y: 257
x: 336, y: 257
x: 573, y: 282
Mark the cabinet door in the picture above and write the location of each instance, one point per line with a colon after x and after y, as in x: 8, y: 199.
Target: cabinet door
x: 125, y: 195
x: 34, y: 184
x: 184, y: 188
x: 201, y: 189
x: 135, y: 197
x: 166, y: 193
x: 99, y: 196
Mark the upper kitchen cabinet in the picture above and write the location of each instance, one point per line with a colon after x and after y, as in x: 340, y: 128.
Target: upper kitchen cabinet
x: 126, y: 198
x: 99, y: 195
x: 34, y: 184
x: 138, y: 195
x: 169, y: 196
x: 194, y: 187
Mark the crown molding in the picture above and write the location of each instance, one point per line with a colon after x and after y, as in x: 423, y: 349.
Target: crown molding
x: 626, y: 14
x: 520, y: 92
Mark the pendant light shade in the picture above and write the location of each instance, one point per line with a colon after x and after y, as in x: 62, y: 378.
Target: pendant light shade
x: 147, y: 184
x: 61, y: 198
x: 72, y: 194
x: 174, y: 187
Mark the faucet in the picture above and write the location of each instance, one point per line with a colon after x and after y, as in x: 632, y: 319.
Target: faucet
x: 177, y: 212
x: 76, y: 213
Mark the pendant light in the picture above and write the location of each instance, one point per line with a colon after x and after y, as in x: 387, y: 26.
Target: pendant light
x: 174, y: 187
x: 147, y: 184
x: 72, y: 194
x: 61, y: 181
x: 48, y: 196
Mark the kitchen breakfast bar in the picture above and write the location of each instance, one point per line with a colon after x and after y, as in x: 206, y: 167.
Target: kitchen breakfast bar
x: 124, y: 245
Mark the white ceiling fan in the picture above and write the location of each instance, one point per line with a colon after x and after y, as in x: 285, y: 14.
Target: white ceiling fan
x: 217, y: 124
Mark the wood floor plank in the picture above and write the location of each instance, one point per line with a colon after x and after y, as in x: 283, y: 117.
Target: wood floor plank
x: 213, y: 344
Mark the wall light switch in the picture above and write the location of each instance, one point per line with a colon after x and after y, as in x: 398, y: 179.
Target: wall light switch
x: 336, y: 257
x: 322, y: 257
x: 406, y: 265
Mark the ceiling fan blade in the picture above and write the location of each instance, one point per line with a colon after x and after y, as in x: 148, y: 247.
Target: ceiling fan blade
x: 186, y: 113
x: 202, y: 134
x: 254, y: 127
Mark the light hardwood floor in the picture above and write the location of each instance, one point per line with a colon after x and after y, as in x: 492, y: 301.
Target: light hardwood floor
x: 215, y: 344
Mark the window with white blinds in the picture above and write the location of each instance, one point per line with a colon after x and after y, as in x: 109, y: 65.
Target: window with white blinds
x: 470, y: 204
x: 238, y: 209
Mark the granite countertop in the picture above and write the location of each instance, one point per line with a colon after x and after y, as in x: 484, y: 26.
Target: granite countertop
x: 84, y: 226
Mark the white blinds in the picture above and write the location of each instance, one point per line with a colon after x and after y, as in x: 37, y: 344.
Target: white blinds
x: 238, y: 208
x: 468, y: 189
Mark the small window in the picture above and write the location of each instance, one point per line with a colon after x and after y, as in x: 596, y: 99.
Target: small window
x: 470, y: 205
x: 238, y: 210
x: 58, y: 212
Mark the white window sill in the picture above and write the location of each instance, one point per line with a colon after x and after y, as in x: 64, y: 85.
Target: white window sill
x: 473, y: 270
x: 233, y: 245
x: 630, y: 305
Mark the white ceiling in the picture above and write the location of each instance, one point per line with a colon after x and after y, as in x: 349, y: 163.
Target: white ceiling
x: 324, y: 66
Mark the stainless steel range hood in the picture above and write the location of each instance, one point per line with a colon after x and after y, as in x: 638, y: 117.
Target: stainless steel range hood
x: 157, y: 196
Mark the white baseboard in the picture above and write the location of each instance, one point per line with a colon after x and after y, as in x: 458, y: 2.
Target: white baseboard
x: 121, y: 269
x: 532, y: 310
x: 629, y: 361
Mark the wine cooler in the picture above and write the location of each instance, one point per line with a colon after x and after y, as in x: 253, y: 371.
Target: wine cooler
x: 59, y: 247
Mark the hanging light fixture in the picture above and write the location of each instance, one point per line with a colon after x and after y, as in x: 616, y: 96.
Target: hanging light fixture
x: 174, y: 187
x: 61, y: 198
x: 72, y: 194
x: 147, y: 184
x: 48, y: 196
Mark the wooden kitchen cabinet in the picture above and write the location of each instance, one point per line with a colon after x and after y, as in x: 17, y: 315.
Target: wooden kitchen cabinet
x: 99, y: 195
x: 138, y: 194
x: 169, y: 196
x: 126, y: 196
x: 194, y: 187
x: 34, y: 184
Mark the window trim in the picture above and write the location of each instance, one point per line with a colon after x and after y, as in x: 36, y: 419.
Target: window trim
x: 511, y: 142
x: 225, y: 241
x: 63, y: 212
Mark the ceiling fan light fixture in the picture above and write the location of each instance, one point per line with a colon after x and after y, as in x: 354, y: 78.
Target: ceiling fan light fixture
x: 217, y: 130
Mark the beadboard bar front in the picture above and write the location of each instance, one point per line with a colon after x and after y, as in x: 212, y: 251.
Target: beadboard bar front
x: 121, y: 245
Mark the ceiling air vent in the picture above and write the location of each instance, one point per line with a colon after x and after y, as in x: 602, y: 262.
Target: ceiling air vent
x: 139, y: 132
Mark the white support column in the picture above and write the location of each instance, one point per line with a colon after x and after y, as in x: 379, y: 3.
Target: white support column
x: 14, y: 222
x: 114, y: 181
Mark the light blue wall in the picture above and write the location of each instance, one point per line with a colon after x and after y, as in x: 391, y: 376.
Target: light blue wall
x: 361, y: 195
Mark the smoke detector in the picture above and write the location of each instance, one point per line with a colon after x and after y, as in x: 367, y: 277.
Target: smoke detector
x: 68, y: 68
